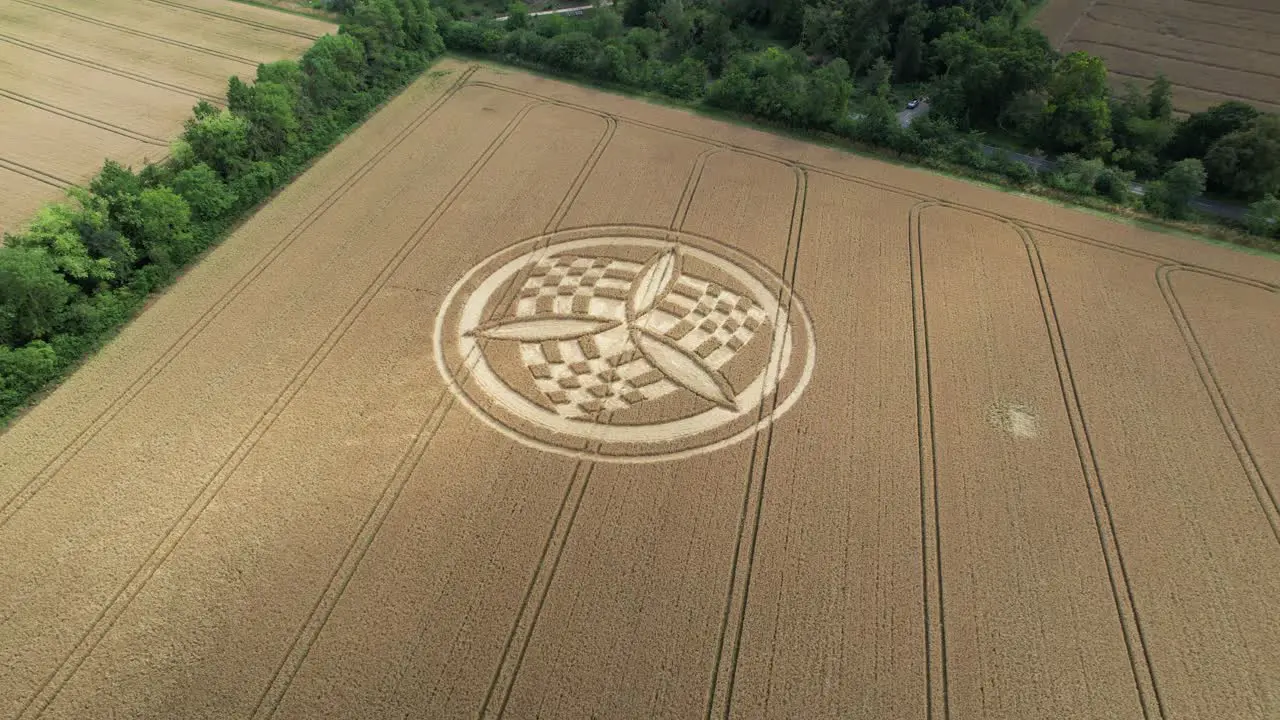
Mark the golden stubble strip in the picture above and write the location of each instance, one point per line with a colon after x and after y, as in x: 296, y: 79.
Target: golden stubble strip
x: 58, y: 145
x: 445, y: 564
x: 834, y: 625
x: 253, y: 15
x: 171, y: 64
x: 23, y: 197
x: 1215, y: 31
x: 639, y: 179
x: 1147, y: 38
x: 1024, y: 580
x: 79, y: 547
x: 175, y: 22
x: 1231, y: 328
x: 1202, y: 559
x: 632, y: 621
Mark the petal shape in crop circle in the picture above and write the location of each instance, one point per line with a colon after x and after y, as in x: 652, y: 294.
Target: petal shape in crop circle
x: 683, y: 368
x: 653, y: 283
x: 544, y: 327
x: 624, y: 343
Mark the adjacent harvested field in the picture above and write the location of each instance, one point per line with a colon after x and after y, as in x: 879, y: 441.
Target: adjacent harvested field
x: 532, y: 401
x: 1212, y: 52
x: 82, y: 80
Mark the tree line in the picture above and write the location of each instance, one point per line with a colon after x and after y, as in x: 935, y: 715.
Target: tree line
x: 83, y: 267
x: 836, y: 65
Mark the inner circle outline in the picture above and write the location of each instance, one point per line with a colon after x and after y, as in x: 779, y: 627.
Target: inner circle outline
x: 479, y: 370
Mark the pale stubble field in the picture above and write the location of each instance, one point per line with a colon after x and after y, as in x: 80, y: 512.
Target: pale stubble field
x: 1211, y: 51
x: 81, y: 80
x: 533, y: 401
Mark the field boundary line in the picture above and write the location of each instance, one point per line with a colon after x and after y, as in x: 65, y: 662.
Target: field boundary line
x: 840, y: 175
x: 937, y: 702
x: 85, y: 119
x: 1233, y: 7
x: 1071, y: 30
x: 1213, y: 387
x: 139, y: 33
x: 273, y: 695
x: 1128, y: 617
x: 239, y: 20
x: 1210, y: 91
x: 214, y: 484
x: 691, y: 183
x: 126, y: 74
x: 738, y: 592
x: 1130, y: 28
x: 35, y: 174
x: 1176, y: 16
x: 102, y: 419
x: 1170, y: 56
x: 521, y: 633
x: 523, y: 624
x: 1117, y: 573
x: 1153, y: 257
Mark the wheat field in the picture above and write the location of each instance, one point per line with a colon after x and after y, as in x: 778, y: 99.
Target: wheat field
x: 1210, y: 51
x: 534, y: 401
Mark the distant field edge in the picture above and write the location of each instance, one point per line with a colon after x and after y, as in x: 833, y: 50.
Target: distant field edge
x: 1210, y: 232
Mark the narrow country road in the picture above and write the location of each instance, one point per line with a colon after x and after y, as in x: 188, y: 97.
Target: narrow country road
x: 562, y: 11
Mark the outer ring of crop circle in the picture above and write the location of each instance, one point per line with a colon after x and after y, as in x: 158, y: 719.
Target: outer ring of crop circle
x: 796, y: 309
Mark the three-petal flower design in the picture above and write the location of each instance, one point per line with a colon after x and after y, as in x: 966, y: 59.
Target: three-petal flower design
x: 650, y: 287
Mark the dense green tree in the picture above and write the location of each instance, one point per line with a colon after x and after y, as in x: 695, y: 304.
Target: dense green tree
x: 285, y: 73
x: 419, y: 24
x: 686, y: 79
x: 379, y: 27
x: 573, y: 51
x: 255, y: 183
x: 207, y: 195
x: 1246, y: 163
x: 33, y: 294
x: 989, y: 70
x: 268, y: 108
x: 1201, y: 130
x: 827, y: 96
x: 1171, y: 195
x: 1263, y: 217
x: 822, y: 29
x: 56, y: 230
x: 909, y: 46
x: 220, y: 140
x: 878, y: 78
x: 332, y: 70
x: 517, y: 16
x: 164, y: 232
x: 119, y: 187
x: 23, y: 371
x: 1077, y: 116
x: 606, y: 23
x: 713, y: 39
x: 1139, y: 136
x: 529, y: 45
x: 1160, y: 98
x: 635, y: 13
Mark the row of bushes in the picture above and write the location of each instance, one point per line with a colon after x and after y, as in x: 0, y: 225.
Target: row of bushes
x: 83, y: 267
x: 787, y: 88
